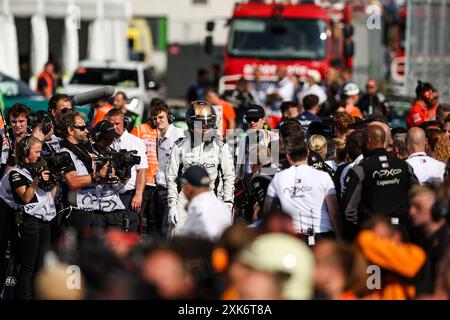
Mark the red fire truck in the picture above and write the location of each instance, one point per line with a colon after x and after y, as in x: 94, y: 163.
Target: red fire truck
x: 300, y: 35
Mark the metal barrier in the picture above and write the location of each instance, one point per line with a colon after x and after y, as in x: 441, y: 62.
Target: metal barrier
x: 428, y: 45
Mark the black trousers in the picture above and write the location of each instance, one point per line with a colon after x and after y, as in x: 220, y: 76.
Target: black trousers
x: 88, y: 223
x: 7, y: 235
x: 132, y: 215
x: 33, y: 242
x: 115, y: 220
x: 83, y: 222
x: 149, y: 212
x: 162, y: 211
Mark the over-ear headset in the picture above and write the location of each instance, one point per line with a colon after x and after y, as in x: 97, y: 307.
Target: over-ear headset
x: 43, y: 118
x: 439, y: 210
x: 97, y: 130
x: 23, y: 147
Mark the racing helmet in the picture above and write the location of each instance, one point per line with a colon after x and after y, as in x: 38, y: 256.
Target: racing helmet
x: 283, y: 254
x: 201, y: 111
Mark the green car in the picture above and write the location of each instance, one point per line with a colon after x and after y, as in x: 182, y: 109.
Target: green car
x: 17, y: 91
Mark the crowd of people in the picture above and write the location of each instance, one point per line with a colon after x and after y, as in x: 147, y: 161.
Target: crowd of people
x: 320, y: 199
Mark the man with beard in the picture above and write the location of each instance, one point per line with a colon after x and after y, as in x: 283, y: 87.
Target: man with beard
x: 80, y: 193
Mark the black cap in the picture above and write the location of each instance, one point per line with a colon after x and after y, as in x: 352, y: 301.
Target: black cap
x: 255, y: 111
x: 196, y: 176
x: 315, y: 127
x: 104, y: 130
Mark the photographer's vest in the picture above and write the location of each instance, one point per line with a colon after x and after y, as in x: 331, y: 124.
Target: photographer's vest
x: 6, y: 192
x: 92, y: 197
x: 44, y: 208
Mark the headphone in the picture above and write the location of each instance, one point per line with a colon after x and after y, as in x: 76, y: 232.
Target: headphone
x: 44, y: 119
x: 23, y: 147
x: 97, y: 131
x: 439, y: 210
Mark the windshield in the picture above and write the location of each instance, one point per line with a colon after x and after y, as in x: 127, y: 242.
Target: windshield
x: 106, y: 76
x: 288, y: 39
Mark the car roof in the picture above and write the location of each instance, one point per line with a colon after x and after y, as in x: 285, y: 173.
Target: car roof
x: 112, y: 64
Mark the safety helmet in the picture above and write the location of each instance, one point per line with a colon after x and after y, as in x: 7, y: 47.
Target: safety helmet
x: 314, y: 75
x: 283, y: 254
x: 200, y: 111
x: 351, y: 89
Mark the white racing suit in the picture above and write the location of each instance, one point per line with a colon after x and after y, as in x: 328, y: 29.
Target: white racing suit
x: 215, y: 157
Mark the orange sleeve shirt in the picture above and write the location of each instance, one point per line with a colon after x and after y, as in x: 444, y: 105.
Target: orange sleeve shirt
x: 419, y: 114
x: 354, y: 111
x: 100, y: 113
x: 228, y: 114
x: 149, y: 136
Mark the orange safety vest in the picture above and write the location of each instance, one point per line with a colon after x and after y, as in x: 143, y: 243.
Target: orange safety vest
x: 100, y: 113
x: 149, y: 136
x: 48, y: 79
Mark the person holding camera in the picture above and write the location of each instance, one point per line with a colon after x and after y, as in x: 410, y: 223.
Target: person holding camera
x: 132, y: 193
x: 112, y: 212
x: 35, y: 209
x: 81, y: 198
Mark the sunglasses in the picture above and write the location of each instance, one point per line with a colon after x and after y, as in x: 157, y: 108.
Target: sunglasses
x: 82, y: 128
x: 249, y: 120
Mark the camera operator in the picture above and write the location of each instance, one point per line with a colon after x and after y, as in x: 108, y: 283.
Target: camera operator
x: 42, y: 128
x: 36, y: 208
x: 132, y: 194
x: 80, y: 176
x: 112, y: 211
x: 199, y: 147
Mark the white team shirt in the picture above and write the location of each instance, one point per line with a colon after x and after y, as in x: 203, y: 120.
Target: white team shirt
x: 165, y: 146
x: 426, y: 169
x: 130, y: 142
x: 207, y: 217
x: 301, y: 191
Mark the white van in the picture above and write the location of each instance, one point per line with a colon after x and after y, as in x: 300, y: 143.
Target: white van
x: 134, y: 78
